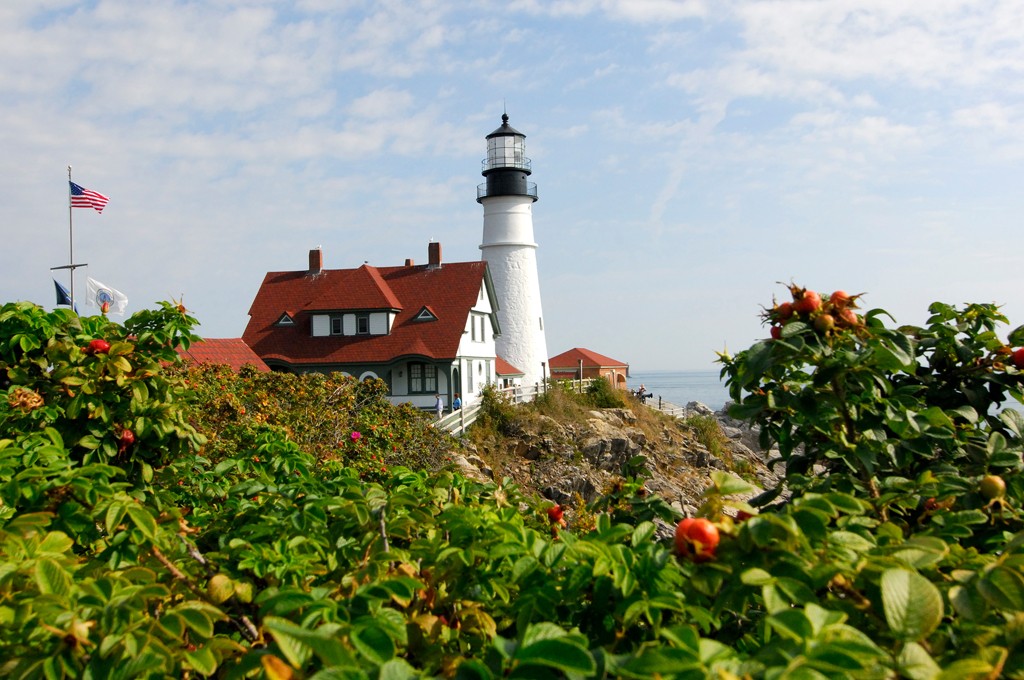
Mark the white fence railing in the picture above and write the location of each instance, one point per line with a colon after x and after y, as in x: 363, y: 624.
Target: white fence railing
x: 456, y: 422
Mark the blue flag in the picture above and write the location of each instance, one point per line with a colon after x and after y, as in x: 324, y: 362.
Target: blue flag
x: 63, y: 295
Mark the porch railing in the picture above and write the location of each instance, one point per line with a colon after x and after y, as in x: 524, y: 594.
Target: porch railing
x: 456, y: 422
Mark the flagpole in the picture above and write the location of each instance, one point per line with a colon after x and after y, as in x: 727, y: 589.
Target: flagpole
x: 71, y: 248
x: 71, y: 243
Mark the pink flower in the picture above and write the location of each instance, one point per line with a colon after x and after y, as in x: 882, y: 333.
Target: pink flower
x: 356, y: 436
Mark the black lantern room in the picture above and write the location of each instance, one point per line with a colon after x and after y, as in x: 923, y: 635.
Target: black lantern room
x: 506, y: 166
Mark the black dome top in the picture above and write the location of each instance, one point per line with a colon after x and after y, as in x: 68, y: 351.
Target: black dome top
x: 505, y: 130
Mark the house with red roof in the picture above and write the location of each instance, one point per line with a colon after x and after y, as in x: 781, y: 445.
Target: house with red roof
x: 580, y: 364
x: 507, y: 375
x: 423, y: 329
x: 231, y: 351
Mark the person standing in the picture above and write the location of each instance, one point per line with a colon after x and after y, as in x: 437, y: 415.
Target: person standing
x: 439, y: 406
x: 456, y: 403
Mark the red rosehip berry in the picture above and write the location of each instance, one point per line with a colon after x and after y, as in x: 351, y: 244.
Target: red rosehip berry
x: 696, y: 539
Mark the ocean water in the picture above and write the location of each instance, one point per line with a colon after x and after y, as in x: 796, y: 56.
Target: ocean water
x: 682, y: 387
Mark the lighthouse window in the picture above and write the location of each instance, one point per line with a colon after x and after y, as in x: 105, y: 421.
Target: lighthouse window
x: 541, y: 319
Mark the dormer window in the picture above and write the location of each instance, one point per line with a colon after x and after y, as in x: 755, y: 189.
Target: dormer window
x: 285, y: 320
x: 362, y: 324
x: 425, y: 315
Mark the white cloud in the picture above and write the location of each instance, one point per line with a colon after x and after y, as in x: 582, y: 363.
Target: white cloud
x: 388, y: 103
x: 708, y: 143
x: 638, y: 11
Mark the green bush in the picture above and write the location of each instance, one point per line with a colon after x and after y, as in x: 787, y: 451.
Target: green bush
x: 601, y: 394
x: 888, y: 551
x: 329, y: 416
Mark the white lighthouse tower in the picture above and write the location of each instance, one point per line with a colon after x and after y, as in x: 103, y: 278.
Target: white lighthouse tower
x: 511, y: 253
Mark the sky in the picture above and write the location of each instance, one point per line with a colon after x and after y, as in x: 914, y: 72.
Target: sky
x: 692, y: 158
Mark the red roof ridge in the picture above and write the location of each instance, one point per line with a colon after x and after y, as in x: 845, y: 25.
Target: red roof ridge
x: 571, y: 359
x: 382, y: 286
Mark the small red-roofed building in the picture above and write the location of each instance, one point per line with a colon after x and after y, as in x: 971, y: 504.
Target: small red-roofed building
x: 424, y: 329
x: 230, y: 351
x: 580, y: 364
x: 507, y: 374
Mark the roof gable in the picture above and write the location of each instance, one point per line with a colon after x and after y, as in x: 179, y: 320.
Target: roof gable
x: 426, y: 314
x: 362, y: 288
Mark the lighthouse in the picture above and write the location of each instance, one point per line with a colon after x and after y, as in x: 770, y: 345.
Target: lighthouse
x: 510, y: 251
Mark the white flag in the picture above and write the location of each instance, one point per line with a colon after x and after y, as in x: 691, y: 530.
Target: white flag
x: 100, y: 293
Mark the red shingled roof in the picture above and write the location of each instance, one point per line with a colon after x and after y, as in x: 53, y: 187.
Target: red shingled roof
x: 231, y: 351
x: 449, y: 292
x: 571, y: 360
x: 502, y: 367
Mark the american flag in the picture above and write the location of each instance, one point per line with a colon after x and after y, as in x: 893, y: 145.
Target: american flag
x: 86, y: 198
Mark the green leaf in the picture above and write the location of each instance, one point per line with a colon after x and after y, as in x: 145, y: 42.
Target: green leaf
x: 51, y: 578
x: 565, y: 654
x: 397, y: 669
x: 1003, y: 587
x: 916, y: 663
x: 1016, y: 336
x: 922, y: 551
x: 966, y: 668
x: 202, y: 660
x: 996, y: 443
x: 113, y: 517
x: 470, y: 669
x: 850, y: 541
x: 966, y: 412
x: 665, y: 662
x: 727, y: 484
x: 968, y: 602
x: 846, y: 503
x: 756, y: 577
x: 913, y: 605
x: 143, y: 520
x: 196, y: 619
x: 545, y: 630
x: 642, y: 534
x: 523, y: 567
x: 822, y: 618
x: 55, y: 543
x: 372, y: 642
x: 288, y: 636
x: 792, y: 623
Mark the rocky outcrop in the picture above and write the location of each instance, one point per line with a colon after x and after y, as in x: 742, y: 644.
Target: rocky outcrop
x: 571, y: 463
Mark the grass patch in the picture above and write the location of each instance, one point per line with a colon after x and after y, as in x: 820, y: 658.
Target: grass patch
x: 709, y: 433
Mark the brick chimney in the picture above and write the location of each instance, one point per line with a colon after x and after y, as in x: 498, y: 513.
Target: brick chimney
x: 316, y: 261
x: 409, y: 262
x: 434, y: 255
